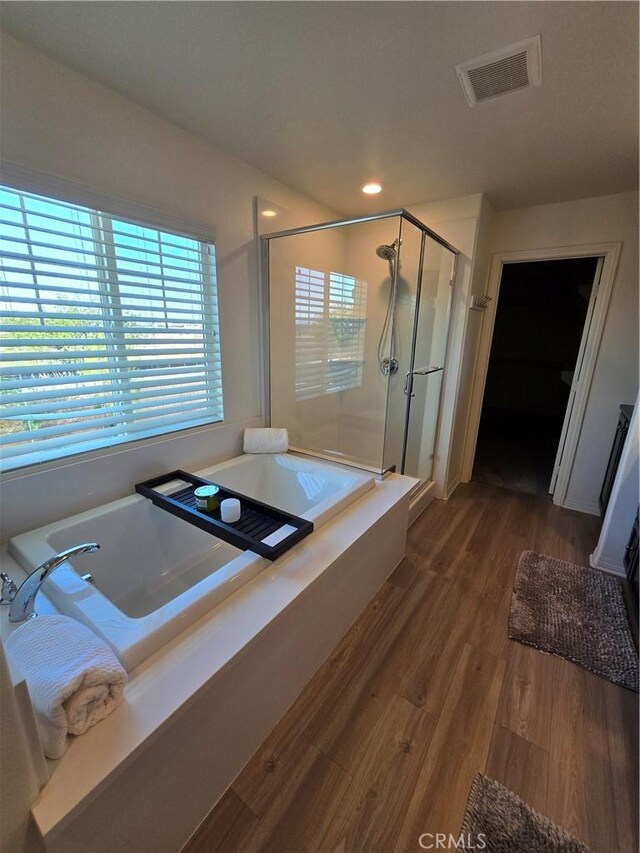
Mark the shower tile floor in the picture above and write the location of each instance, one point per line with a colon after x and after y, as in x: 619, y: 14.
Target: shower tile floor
x: 426, y: 690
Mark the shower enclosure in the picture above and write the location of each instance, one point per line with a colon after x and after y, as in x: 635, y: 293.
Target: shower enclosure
x: 358, y: 318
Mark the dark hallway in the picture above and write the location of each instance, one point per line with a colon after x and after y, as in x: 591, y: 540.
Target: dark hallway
x: 540, y: 318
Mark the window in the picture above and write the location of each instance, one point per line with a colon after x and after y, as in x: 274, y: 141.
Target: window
x: 330, y: 317
x: 108, y: 330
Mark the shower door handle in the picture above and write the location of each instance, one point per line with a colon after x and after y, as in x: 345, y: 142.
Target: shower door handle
x: 419, y: 371
x: 425, y: 371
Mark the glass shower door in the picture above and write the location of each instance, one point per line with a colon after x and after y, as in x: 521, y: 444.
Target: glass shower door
x: 406, y: 270
x: 329, y: 297
x: 358, y: 324
x: 423, y: 379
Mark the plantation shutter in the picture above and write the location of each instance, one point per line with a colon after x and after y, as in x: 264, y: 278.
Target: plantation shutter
x: 311, y: 333
x: 330, y: 317
x: 108, y: 330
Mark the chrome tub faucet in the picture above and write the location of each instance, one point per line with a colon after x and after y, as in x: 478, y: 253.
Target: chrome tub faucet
x: 22, y: 598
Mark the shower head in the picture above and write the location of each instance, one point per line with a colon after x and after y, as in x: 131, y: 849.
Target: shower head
x: 387, y: 253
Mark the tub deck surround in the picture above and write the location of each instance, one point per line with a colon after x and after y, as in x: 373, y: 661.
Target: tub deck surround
x: 186, y: 670
x: 155, y: 573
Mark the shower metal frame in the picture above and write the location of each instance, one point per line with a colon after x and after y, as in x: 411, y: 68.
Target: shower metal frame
x: 263, y: 266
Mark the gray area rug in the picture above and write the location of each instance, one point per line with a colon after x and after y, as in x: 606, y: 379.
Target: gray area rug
x: 503, y: 823
x: 575, y: 613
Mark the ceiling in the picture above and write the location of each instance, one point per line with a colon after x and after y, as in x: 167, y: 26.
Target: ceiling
x: 328, y: 95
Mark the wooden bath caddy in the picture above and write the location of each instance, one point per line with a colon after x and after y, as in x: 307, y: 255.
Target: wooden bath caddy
x: 263, y: 529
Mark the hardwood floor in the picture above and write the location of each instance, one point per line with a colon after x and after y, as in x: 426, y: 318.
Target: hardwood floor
x: 426, y: 690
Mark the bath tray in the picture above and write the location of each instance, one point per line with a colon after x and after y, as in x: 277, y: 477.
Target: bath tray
x: 261, y: 528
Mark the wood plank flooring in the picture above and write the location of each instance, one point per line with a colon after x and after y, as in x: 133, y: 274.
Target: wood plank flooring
x: 426, y: 690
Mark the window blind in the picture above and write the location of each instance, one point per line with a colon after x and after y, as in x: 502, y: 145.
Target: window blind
x: 108, y: 330
x: 330, y: 318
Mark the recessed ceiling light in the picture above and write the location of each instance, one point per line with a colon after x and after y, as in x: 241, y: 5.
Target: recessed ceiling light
x: 371, y: 189
x: 269, y: 213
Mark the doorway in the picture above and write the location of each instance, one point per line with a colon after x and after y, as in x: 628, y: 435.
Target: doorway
x: 541, y: 325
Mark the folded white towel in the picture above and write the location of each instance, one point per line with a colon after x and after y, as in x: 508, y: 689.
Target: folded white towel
x: 266, y: 440
x: 74, y: 678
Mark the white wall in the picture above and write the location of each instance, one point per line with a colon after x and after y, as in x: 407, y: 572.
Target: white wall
x: 59, y: 123
x: 577, y: 223
x: 62, y: 124
x: 463, y: 449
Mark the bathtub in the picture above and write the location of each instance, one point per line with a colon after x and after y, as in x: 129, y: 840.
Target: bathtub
x: 308, y: 488
x: 156, y: 574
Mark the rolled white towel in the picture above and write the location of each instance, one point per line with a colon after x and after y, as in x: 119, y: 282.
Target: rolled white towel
x: 74, y: 678
x: 266, y: 440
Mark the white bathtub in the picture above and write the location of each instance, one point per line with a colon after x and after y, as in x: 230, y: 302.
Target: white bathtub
x: 308, y: 488
x: 155, y: 574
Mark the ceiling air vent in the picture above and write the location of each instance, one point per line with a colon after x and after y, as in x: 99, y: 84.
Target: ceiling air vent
x: 509, y: 69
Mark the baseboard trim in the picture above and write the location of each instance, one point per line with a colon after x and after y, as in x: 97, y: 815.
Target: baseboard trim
x: 452, y: 486
x: 421, y: 500
x: 612, y: 567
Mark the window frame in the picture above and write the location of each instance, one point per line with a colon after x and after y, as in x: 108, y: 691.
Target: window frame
x: 22, y: 179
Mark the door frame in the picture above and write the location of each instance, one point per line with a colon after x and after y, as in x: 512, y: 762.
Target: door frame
x: 610, y: 253
x: 577, y: 375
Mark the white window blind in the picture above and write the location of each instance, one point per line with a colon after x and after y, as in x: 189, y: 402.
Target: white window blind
x: 108, y: 330
x: 330, y: 318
